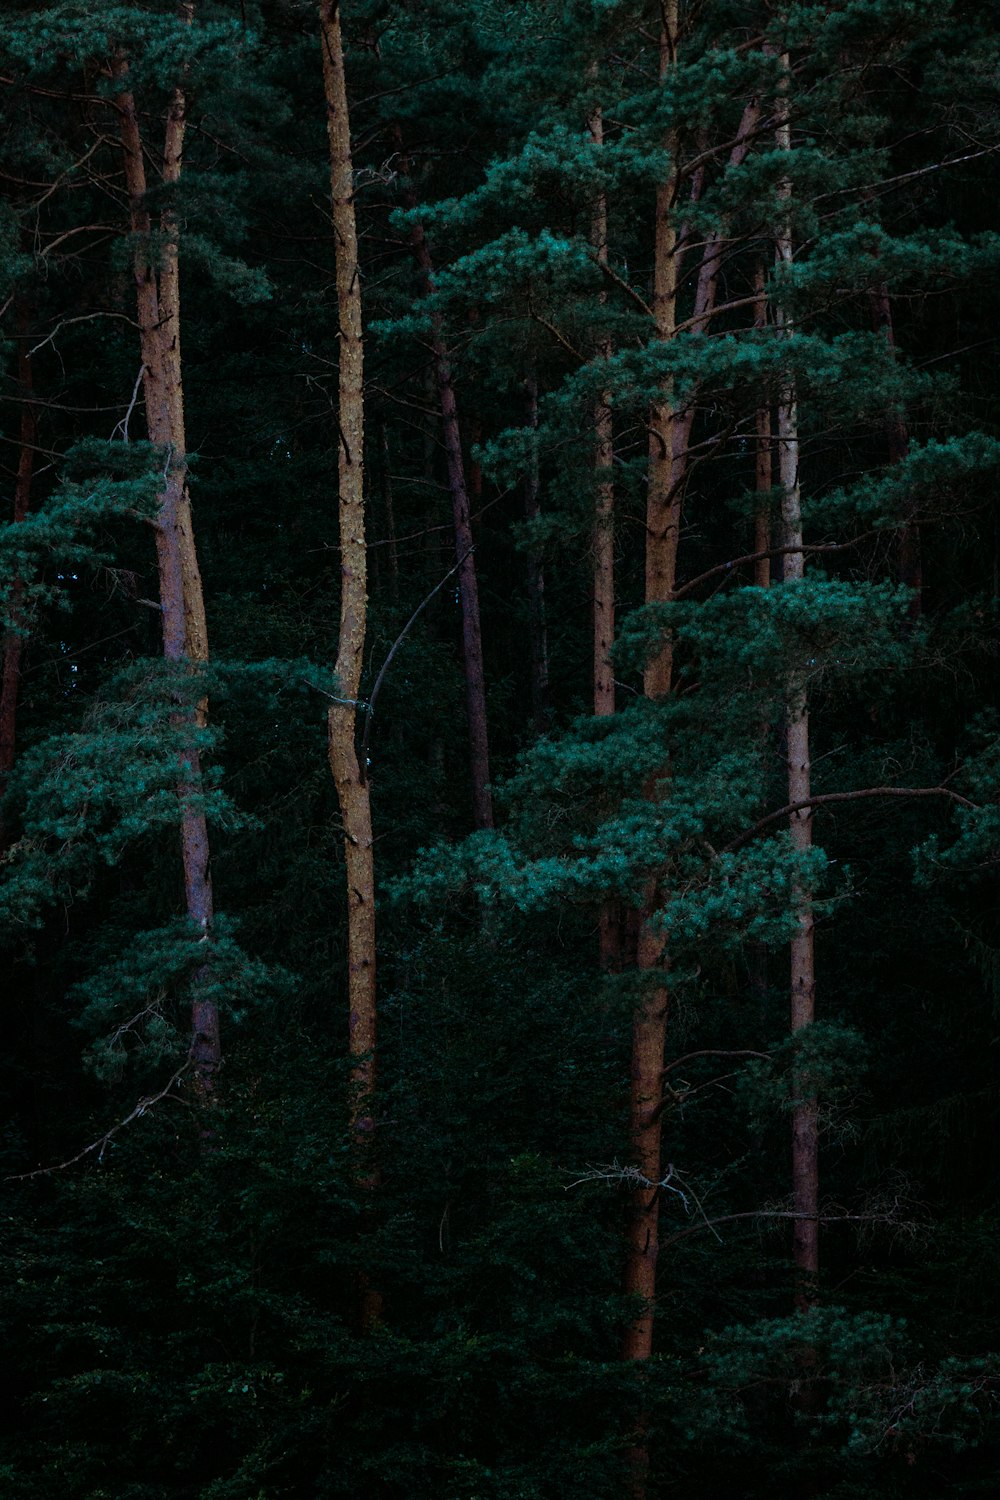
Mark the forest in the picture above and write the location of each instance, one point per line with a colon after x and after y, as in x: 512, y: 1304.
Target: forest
x: 500, y: 749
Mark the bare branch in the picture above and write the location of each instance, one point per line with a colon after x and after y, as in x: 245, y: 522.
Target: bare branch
x: 100, y: 1145
x: 827, y: 797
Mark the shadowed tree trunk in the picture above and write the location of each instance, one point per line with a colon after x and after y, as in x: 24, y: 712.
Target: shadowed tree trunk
x: 538, y: 633
x: 805, y: 1139
x: 610, y: 917
x: 764, y: 466
x: 182, y: 606
x: 349, y: 776
x: 649, y: 1025
x: 468, y: 581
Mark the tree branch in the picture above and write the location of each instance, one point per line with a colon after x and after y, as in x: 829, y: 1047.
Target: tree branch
x: 100, y: 1145
x: 401, y: 637
x: 828, y: 797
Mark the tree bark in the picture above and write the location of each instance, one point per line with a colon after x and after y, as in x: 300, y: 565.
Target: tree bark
x: 182, y: 606
x: 610, y: 916
x: 764, y: 465
x: 805, y: 1131
x: 650, y: 1021
x: 353, y: 793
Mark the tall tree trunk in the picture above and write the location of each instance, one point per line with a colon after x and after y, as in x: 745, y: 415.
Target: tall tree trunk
x: 610, y: 917
x: 805, y: 1134
x: 538, y: 632
x: 182, y: 606
x: 706, y: 292
x: 764, y: 465
x: 650, y: 1021
x: 468, y: 578
x: 13, y: 640
x: 353, y: 792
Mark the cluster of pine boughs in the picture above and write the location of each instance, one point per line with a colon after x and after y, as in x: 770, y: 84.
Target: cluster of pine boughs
x: 680, y: 324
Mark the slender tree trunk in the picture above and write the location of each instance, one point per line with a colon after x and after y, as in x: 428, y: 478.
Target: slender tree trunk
x: 805, y: 1135
x: 468, y: 580
x: 538, y: 633
x: 706, y: 292
x: 610, y: 917
x: 13, y: 641
x: 764, y: 466
x: 650, y: 1021
x: 350, y: 778
x: 604, y: 508
x: 182, y: 606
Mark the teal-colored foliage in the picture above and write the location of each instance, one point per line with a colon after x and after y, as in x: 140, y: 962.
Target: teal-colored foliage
x: 179, y: 1309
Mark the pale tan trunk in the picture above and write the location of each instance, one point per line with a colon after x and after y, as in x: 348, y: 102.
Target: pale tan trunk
x: 182, y: 605
x: 349, y: 777
x: 650, y: 1023
x: 805, y: 1141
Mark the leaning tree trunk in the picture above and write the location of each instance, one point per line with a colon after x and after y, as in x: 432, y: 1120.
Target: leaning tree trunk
x: 805, y: 1112
x: 182, y: 607
x: 349, y: 776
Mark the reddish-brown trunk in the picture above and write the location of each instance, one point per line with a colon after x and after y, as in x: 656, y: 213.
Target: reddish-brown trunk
x: 537, y: 629
x: 650, y: 1022
x: 182, y: 607
x: 468, y: 580
x: 13, y: 641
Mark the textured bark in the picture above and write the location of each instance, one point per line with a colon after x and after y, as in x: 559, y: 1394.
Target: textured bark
x: 706, y: 291
x: 182, y: 606
x: 609, y: 919
x: 604, y: 507
x: 805, y: 1135
x: 650, y: 1022
x: 468, y: 581
x: 764, y: 466
x: 537, y: 628
x: 13, y: 641
x: 349, y: 776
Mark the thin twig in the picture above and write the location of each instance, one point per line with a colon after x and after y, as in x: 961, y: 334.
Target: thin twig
x: 370, y: 708
x: 101, y: 1144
